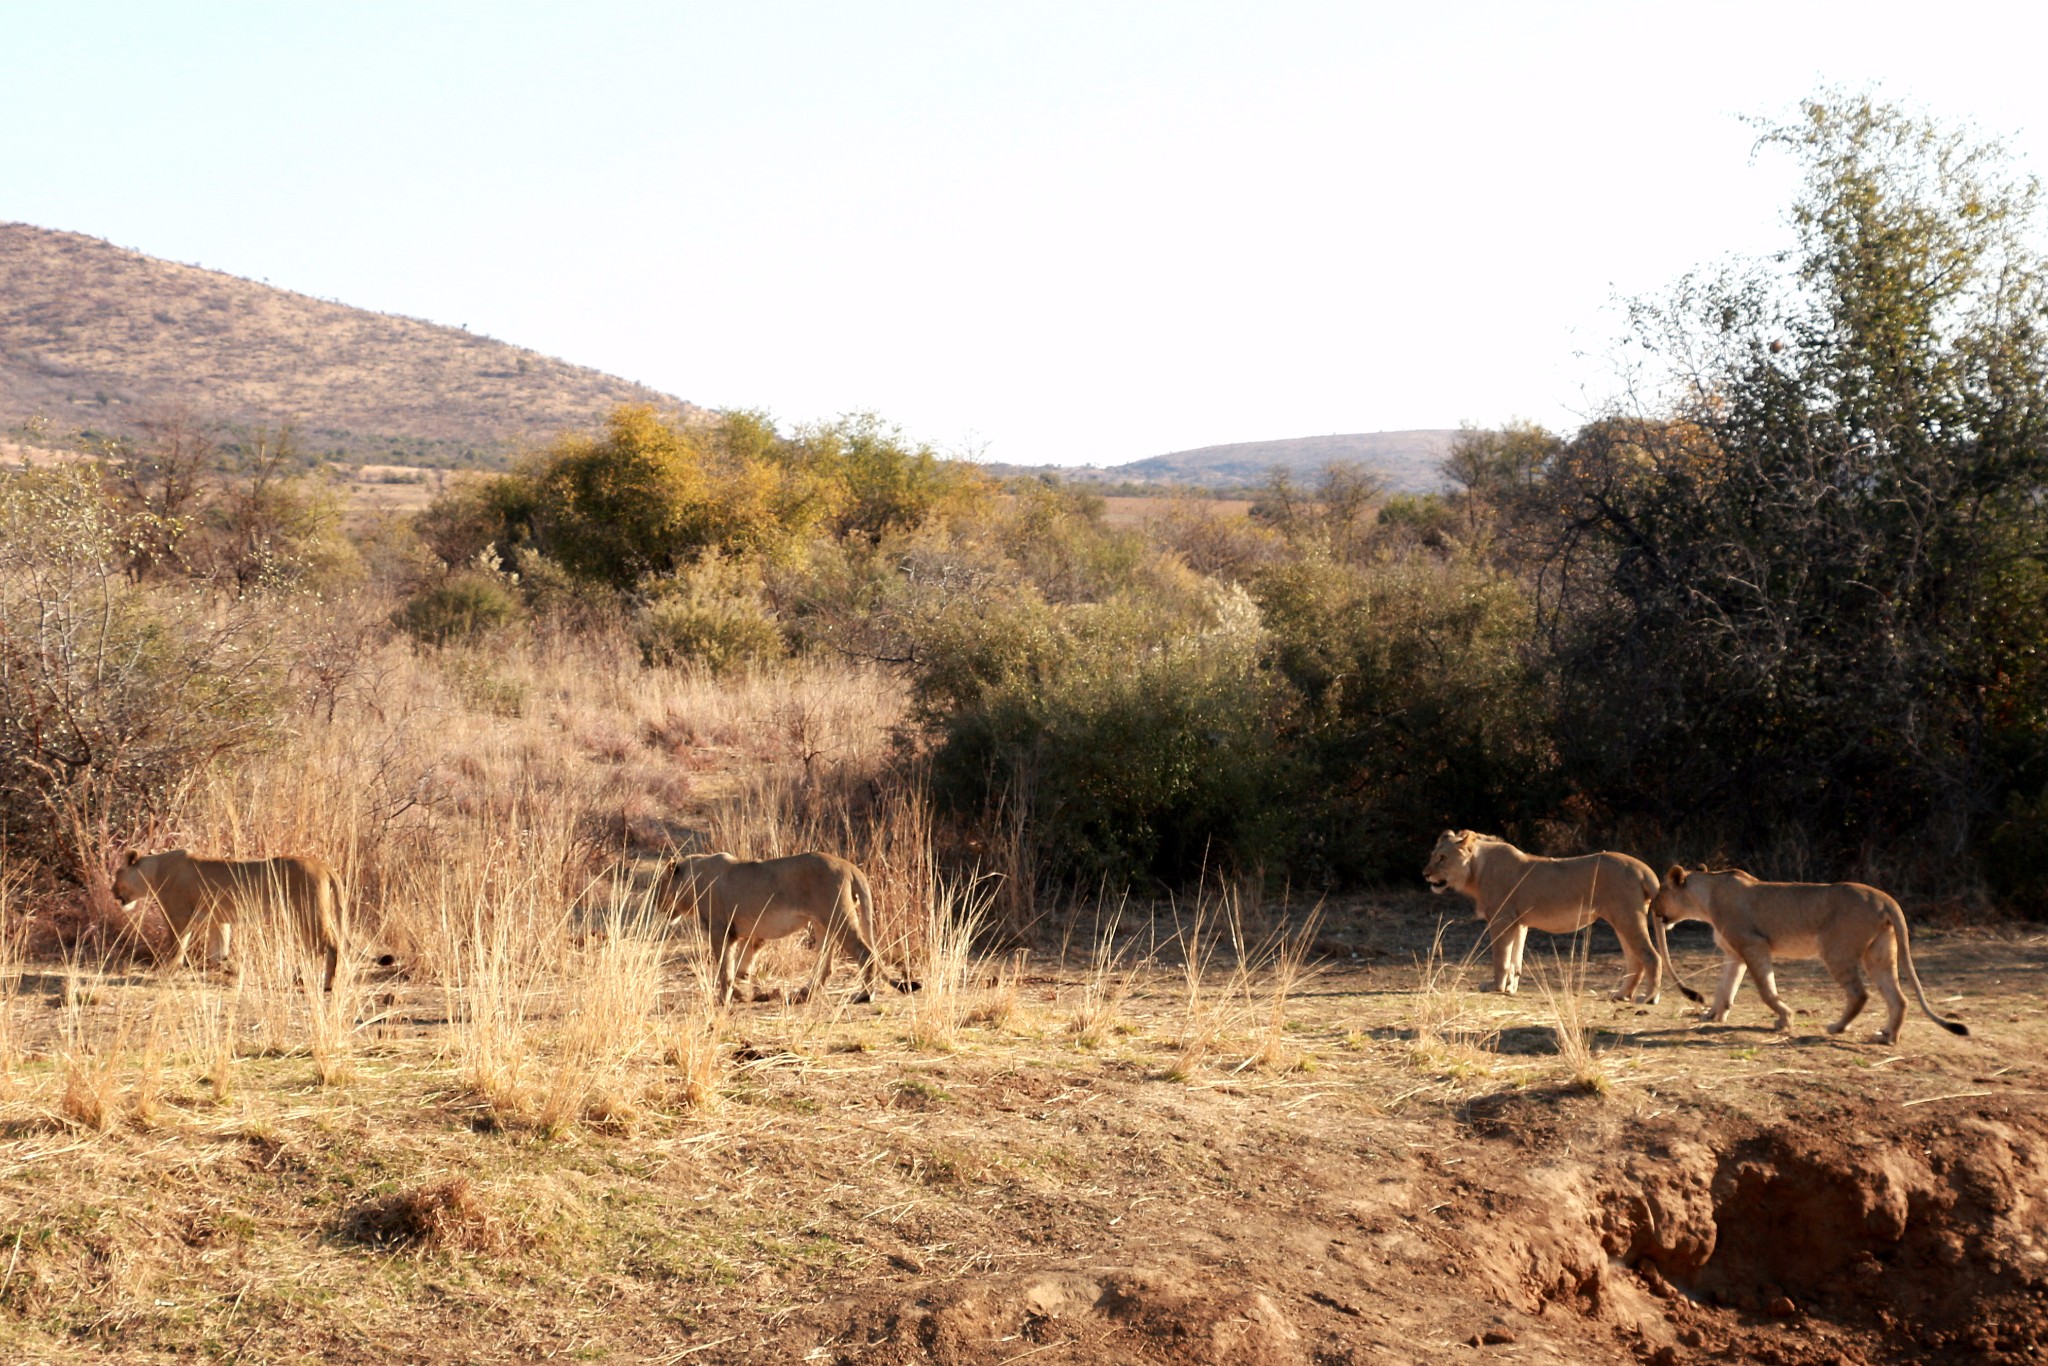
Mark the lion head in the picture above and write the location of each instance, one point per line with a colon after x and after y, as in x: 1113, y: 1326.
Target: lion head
x: 1450, y: 863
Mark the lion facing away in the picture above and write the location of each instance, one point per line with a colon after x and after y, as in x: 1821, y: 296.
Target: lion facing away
x: 1843, y: 924
x: 1514, y: 893
x: 213, y: 894
x: 746, y: 903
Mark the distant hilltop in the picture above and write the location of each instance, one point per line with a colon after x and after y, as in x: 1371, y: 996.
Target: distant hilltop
x: 1406, y: 461
x: 93, y: 337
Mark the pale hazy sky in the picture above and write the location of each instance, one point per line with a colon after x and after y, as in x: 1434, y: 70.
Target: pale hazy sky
x: 1062, y: 232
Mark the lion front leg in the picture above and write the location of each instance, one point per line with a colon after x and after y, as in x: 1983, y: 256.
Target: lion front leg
x: 731, y: 949
x: 745, y: 984
x: 1760, y: 968
x: 1506, y: 940
x: 220, y: 940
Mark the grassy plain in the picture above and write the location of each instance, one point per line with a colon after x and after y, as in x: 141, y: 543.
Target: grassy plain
x: 1245, y: 1128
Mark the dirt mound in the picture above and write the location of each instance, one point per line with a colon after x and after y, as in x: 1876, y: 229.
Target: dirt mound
x: 1124, y: 1314
x: 1931, y: 1235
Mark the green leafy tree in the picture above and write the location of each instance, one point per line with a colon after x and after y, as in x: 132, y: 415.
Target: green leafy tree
x: 883, y: 482
x: 1810, y: 598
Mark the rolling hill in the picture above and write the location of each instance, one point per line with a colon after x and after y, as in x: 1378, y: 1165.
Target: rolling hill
x: 93, y: 337
x: 1405, y: 461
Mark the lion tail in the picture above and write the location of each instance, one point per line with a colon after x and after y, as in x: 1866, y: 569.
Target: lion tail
x: 1651, y: 886
x: 864, y: 920
x: 864, y: 933
x: 330, y: 910
x: 1912, y: 973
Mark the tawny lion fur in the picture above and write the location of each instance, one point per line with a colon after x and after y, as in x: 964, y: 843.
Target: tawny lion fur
x: 1843, y: 924
x: 745, y: 904
x: 212, y: 895
x: 1514, y: 893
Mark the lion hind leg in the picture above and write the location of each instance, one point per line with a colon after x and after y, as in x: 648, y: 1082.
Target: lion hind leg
x: 832, y: 941
x: 1854, y: 997
x: 1882, y: 958
x: 1645, y: 966
x: 1637, y: 969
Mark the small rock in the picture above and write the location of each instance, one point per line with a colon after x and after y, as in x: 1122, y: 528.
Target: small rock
x: 1667, y: 1355
x: 1781, y: 1308
x: 1496, y: 1337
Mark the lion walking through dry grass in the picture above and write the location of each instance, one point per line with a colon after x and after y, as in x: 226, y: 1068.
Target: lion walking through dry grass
x: 1847, y: 925
x: 211, y: 895
x: 746, y: 903
x: 1514, y: 892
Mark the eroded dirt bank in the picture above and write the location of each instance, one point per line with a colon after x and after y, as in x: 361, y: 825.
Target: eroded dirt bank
x: 1549, y: 1228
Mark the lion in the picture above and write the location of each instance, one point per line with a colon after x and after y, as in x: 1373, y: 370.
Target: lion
x: 213, y: 894
x: 1514, y: 892
x: 745, y: 903
x: 1840, y: 923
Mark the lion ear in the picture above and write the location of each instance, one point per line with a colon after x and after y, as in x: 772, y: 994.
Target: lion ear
x: 1676, y: 876
x: 134, y: 857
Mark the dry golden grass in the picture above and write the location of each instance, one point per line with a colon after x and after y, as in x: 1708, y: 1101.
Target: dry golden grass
x: 751, y: 1159
x: 949, y: 967
x: 1112, y: 966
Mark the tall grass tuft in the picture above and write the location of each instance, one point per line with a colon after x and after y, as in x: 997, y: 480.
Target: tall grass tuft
x: 1285, y: 961
x: 696, y: 1034
x: 1447, y: 1028
x: 91, y: 1044
x: 1111, y: 970
x: 1564, y: 994
x: 13, y: 930
x: 614, y: 991
x: 1212, y: 930
x: 948, y: 963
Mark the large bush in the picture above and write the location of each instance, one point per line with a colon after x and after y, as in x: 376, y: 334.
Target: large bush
x: 1416, y: 706
x: 114, y: 696
x: 648, y: 496
x: 1135, y: 747
x: 712, y: 615
x: 462, y: 607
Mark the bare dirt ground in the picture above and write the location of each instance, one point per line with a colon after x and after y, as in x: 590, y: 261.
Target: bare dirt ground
x: 1359, y: 1173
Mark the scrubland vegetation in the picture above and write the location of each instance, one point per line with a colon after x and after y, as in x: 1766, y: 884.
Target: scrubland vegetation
x: 1786, y: 608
